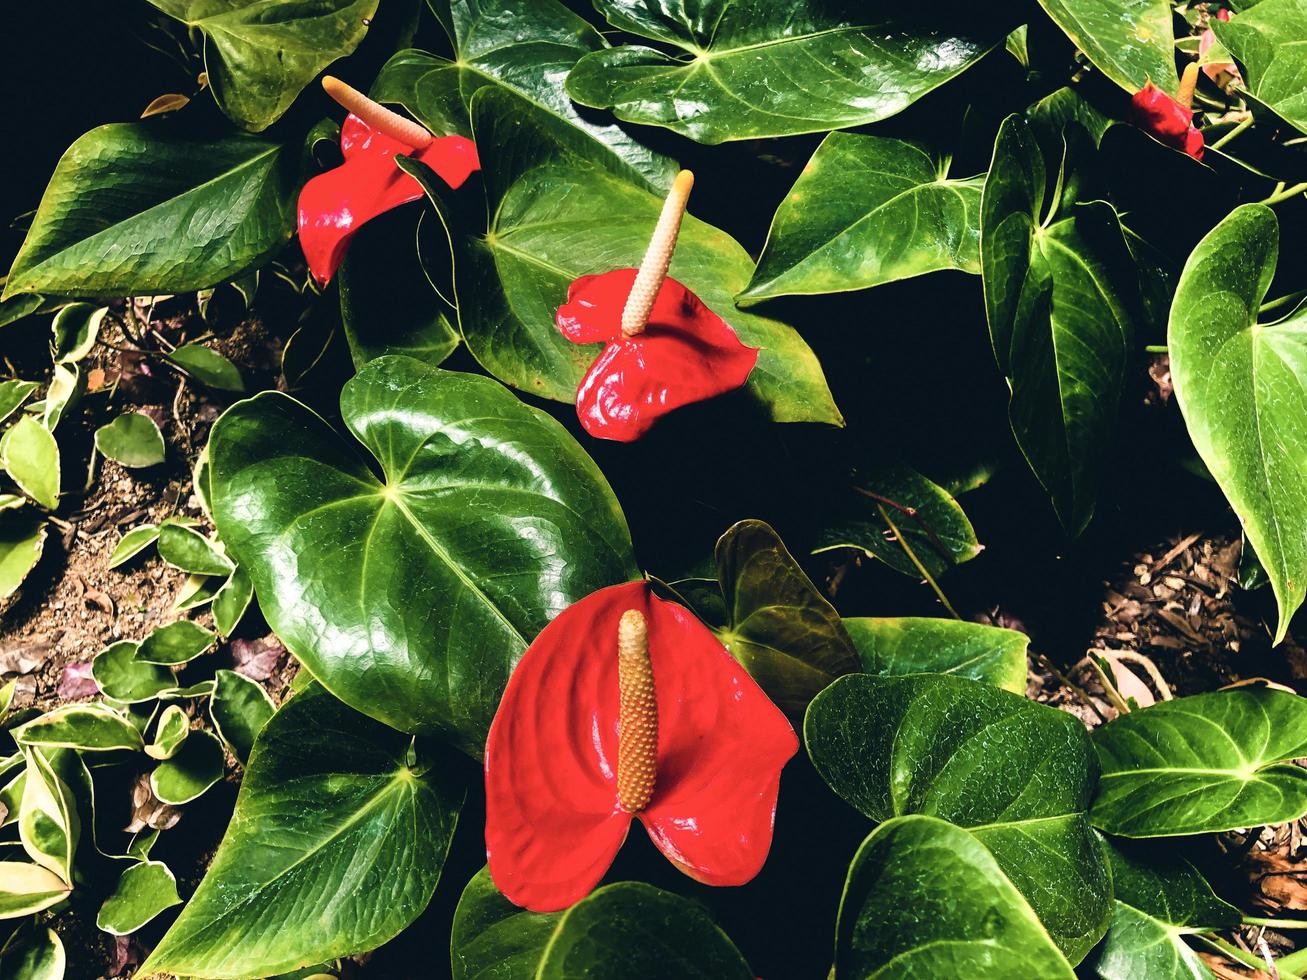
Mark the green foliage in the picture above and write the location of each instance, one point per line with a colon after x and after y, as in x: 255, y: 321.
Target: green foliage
x: 132, y: 439
x: 1130, y: 41
x: 910, y: 645
x: 1268, y: 41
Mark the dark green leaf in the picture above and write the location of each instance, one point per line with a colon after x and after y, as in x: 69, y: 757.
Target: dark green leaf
x: 31, y: 458
x: 187, y: 549
x: 120, y: 676
x: 926, y: 900
x: 475, y: 483
x: 37, y: 953
x: 1240, y: 385
x: 176, y: 643
x: 872, y: 517
x: 493, y: 939
x: 1269, y: 40
x: 868, y: 210
x: 1129, y: 41
x: 189, y: 773
x: 208, y: 367
x: 132, y: 439
x: 757, y: 68
x: 12, y: 395
x: 897, y: 646
x: 232, y: 600
x: 259, y: 58
x: 22, y: 539
x: 779, y: 627
x: 143, y: 891
x: 332, y: 818
x: 1017, y: 775
x: 239, y: 708
x: 117, y: 216
x: 1061, y: 295
x: 1204, y: 763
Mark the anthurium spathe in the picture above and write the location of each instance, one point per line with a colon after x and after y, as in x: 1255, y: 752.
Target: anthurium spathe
x: 664, y: 348
x: 627, y: 707
x: 335, y: 204
x: 1170, y: 120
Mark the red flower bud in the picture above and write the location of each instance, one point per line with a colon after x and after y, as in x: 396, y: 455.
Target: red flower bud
x: 555, y: 817
x: 1168, y: 120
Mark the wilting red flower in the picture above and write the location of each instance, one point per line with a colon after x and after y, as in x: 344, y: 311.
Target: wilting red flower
x: 663, y: 347
x: 335, y: 204
x: 559, y: 802
x: 1169, y: 120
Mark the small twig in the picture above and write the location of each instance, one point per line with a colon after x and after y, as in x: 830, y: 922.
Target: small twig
x: 912, y: 557
x: 1238, y: 955
x: 915, y: 514
x: 1159, y: 681
x: 167, y: 344
x: 1066, y: 681
x: 1266, y: 955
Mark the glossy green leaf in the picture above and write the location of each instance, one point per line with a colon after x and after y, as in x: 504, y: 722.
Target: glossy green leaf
x: 28, y: 888
x: 553, y: 220
x: 175, y: 643
x: 117, y: 216
x: 48, y: 822
x: 1159, y: 900
x: 14, y: 308
x: 871, y: 516
x: 132, y: 439
x: 744, y: 69
x: 188, y: 774
x: 31, y: 458
x: 1017, y: 775
x: 1129, y: 41
x: 143, y: 891
x: 427, y: 87
x: 208, y: 367
x: 1204, y: 763
x: 187, y: 549
x: 387, y: 306
x: 528, y: 48
x: 239, y: 707
x: 12, y: 395
x: 489, y: 522
x: 924, y: 900
x: 627, y: 929
x: 330, y: 817
x: 1061, y: 294
x: 911, y: 645
x: 120, y: 676
x: 170, y: 734
x: 232, y: 600
x: 259, y: 58
x: 37, y: 953
x: 86, y: 727
x: 868, y: 210
x: 779, y: 626
x: 1269, y: 40
x: 76, y: 328
x: 22, y: 539
x: 1240, y: 384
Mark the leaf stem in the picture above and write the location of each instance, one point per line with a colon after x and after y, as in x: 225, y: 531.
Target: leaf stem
x: 912, y: 556
x: 1157, y: 349
x: 1283, y: 193
x: 1253, y: 920
x: 915, y: 514
x: 1235, y: 131
x: 1239, y: 956
x: 1295, y: 962
x: 1286, y: 300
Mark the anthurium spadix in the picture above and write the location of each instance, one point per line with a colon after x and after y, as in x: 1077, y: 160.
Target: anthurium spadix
x: 335, y: 204
x: 627, y: 707
x: 663, y: 348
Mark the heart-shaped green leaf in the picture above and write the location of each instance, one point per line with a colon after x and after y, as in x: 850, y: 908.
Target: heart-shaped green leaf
x: 174, y: 644
x: 132, y: 439
x: 143, y: 891
x: 888, y: 506
x: 868, y: 210
x: 924, y: 899
x: 1159, y: 900
x: 28, y: 888
x: 557, y: 217
x: 1061, y: 294
x: 421, y: 626
x: 208, y: 367
x: 526, y: 47
x: 1240, y: 385
x: 190, y: 771
x: 1017, y: 775
x: 31, y: 458
x: 129, y: 191
x: 187, y: 549
x: 743, y: 70
x: 22, y: 539
x: 119, y: 675
x: 258, y: 60
x: 779, y: 626
x: 1204, y: 763
x: 911, y: 645
x: 239, y: 707
x: 85, y: 727
x: 627, y: 929
x: 1129, y: 41
x: 330, y: 817
x: 1269, y: 40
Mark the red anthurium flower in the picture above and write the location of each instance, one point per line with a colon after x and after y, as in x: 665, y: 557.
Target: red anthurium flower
x: 663, y: 347
x: 333, y: 205
x: 626, y: 707
x: 1170, y: 120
